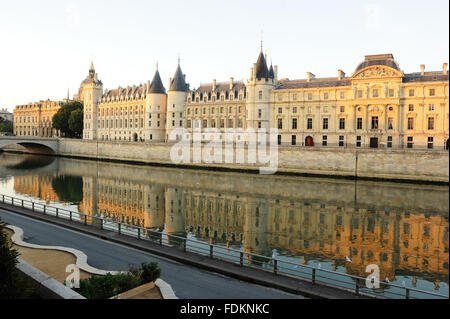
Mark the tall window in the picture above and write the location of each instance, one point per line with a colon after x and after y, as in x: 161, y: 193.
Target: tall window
x: 431, y: 123
x: 389, y: 143
x: 410, y: 142
x: 342, y: 124
x: 294, y: 124
x: 375, y: 93
x: 325, y: 123
x: 411, y: 107
x: 280, y: 110
x: 294, y: 139
x: 390, y: 123
x: 341, y: 140
x: 280, y: 123
x: 410, y: 123
x: 430, y: 107
x: 260, y: 95
x: 374, y: 122
x: 411, y: 92
x: 359, y: 123
x: 360, y: 94
x: 430, y: 142
x: 324, y: 140
x: 358, y: 141
x: 309, y: 96
x: 391, y: 93
x: 432, y: 92
x: 309, y: 124
x: 342, y: 108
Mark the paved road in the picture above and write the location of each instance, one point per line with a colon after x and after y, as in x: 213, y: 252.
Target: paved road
x: 186, y: 281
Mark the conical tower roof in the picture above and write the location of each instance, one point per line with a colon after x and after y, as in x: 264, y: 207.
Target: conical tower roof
x: 261, y: 67
x: 178, y: 83
x: 271, y: 72
x: 156, y: 86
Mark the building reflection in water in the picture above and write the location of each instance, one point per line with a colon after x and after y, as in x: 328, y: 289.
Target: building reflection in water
x: 407, y: 242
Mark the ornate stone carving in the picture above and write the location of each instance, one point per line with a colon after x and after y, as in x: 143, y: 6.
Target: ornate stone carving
x: 376, y: 72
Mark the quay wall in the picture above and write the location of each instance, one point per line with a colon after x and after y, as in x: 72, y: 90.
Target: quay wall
x: 402, y: 165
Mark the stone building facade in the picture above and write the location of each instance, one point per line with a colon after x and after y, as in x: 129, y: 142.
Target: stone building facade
x: 378, y: 106
x: 35, y: 119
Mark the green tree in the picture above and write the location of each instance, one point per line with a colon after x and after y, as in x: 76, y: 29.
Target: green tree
x: 6, y: 126
x: 12, y: 284
x: 76, y: 122
x: 60, y: 120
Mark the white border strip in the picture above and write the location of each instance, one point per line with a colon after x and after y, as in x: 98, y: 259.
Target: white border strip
x: 165, y: 289
x: 81, y: 258
x: 17, y: 238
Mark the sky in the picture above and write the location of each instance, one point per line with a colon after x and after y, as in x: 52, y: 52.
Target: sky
x: 46, y: 47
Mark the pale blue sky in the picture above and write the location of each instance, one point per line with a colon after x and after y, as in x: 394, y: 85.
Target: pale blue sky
x: 47, y: 46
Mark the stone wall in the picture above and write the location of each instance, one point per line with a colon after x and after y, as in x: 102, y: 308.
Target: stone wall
x: 430, y: 166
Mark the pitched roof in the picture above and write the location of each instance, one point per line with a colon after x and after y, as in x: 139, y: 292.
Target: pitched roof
x: 427, y: 77
x: 378, y: 59
x: 315, y: 83
x: 222, y: 86
x: 261, y: 70
x: 156, y: 86
x: 271, y: 73
x: 178, y: 83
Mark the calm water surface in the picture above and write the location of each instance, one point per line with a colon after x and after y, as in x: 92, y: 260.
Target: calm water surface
x: 402, y: 228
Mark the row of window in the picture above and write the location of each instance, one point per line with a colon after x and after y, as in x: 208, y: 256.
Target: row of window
x: 359, y: 123
x: 410, y: 141
x: 213, y: 124
x: 213, y: 110
x: 216, y: 97
x: 359, y: 94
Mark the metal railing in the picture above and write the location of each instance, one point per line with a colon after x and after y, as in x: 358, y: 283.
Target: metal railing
x: 315, y: 275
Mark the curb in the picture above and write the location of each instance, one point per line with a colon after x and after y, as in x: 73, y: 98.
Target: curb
x: 17, y: 238
x: 55, y: 286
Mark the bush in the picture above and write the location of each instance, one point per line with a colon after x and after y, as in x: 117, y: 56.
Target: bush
x: 149, y: 272
x: 12, y: 284
x: 104, y: 287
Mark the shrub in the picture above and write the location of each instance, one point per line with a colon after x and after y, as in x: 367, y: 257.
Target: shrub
x: 12, y: 284
x: 149, y: 272
x: 104, y: 287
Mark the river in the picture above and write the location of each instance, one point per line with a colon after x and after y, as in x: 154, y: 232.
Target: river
x: 402, y: 228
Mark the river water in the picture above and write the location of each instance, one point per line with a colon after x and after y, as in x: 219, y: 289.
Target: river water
x: 402, y: 228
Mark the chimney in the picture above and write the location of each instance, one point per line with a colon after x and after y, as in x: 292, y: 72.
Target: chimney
x: 214, y: 85
x: 275, y: 71
x: 170, y: 83
x: 310, y: 76
x: 341, y: 74
x: 231, y: 83
x: 444, y: 68
x: 422, y: 69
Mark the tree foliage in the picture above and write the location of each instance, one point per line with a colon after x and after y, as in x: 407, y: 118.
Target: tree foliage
x: 12, y: 284
x: 69, y: 125
x: 6, y: 126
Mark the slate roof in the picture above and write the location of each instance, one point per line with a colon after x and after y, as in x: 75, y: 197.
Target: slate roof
x: 157, y: 86
x: 178, y: 83
x: 261, y: 70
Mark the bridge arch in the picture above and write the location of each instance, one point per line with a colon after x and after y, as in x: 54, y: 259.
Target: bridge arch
x: 32, y: 145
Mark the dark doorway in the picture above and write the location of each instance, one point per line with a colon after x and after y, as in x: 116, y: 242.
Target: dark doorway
x: 309, y: 141
x: 447, y: 146
x: 374, y: 142
x: 135, y: 137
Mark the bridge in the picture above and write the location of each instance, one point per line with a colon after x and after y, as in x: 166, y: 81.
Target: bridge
x: 36, y: 145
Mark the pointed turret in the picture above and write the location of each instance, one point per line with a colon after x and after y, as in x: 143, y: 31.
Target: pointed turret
x: 271, y: 72
x: 156, y: 86
x: 178, y: 83
x: 261, y: 67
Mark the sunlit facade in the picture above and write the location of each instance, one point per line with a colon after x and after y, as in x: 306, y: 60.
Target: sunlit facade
x: 377, y: 106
